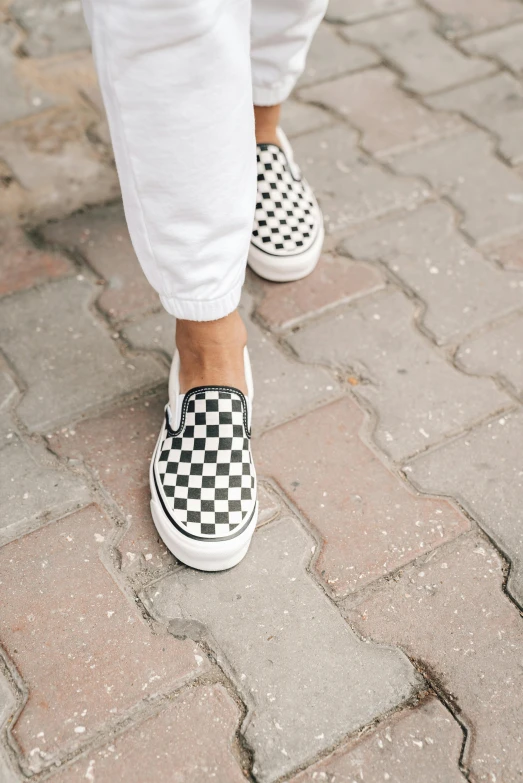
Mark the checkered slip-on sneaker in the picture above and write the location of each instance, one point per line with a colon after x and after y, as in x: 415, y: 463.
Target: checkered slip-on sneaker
x: 287, y: 236
x: 203, y: 482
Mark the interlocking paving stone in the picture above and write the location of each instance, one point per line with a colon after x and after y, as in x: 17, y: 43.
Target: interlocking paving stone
x: 101, y: 237
x: 510, y: 254
x: 450, y: 614
x: 389, y: 119
x: 497, y: 104
x: 189, y: 740
x: 503, y: 45
x: 8, y: 394
x: 355, y: 10
x: 458, y: 168
x: 418, y: 397
x: 67, y: 358
x: 7, y: 708
x: 18, y: 98
x: 283, y: 387
x: 482, y: 470
x: 465, y: 17
x: 59, y: 169
x: 306, y: 678
x: 330, y: 56
x: 53, y: 27
x: 421, y: 744
x: 461, y: 289
x: 497, y: 352
x: 411, y: 43
x: 33, y: 492
x: 297, y: 118
x: 80, y: 646
x: 335, y: 280
x: 351, y: 188
x: 371, y: 523
x: 22, y: 265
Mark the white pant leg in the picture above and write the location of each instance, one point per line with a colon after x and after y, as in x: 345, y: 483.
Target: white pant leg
x: 176, y: 83
x: 281, y: 33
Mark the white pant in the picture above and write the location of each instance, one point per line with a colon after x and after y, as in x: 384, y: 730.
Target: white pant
x: 176, y: 82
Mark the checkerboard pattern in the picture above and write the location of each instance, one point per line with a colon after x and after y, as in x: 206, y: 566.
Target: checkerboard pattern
x: 287, y: 218
x: 205, y: 469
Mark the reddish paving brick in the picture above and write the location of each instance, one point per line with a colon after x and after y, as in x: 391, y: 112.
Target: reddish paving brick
x: 421, y: 744
x: 101, y: 237
x: 189, y: 741
x: 371, y: 523
x: 510, y: 255
x: 465, y: 17
x: 22, y: 265
x: 450, y: 614
x: 390, y: 120
x: 335, y: 280
x: 81, y: 647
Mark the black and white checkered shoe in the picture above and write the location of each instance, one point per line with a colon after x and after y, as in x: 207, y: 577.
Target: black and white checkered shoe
x: 203, y: 481
x: 287, y: 236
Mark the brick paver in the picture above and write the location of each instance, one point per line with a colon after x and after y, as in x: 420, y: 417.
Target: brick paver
x: 373, y: 632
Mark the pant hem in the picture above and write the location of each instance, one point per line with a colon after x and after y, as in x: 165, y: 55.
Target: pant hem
x: 270, y: 96
x: 193, y: 310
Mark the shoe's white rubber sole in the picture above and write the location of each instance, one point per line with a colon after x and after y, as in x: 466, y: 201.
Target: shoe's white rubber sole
x: 285, y: 269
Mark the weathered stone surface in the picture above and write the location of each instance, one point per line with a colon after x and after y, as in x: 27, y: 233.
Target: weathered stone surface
x: 83, y: 650
x: 7, y: 708
x: 497, y: 104
x: 482, y: 470
x: 307, y: 680
x: 33, y: 492
x: 330, y: 56
x: 55, y: 163
x: 334, y: 281
x: 22, y: 265
x: 450, y: 614
x: 371, y: 523
x: 510, y: 254
x: 503, y: 45
x: 8, y: 393
x: 283, y: 387
x: 347, y: 11
x: 417, y: 396
x: 351, y: 188
x: 465, y: 17
x: 189, y: 740
x: 101, y: 237
x: 297, y: 118
x: 67, y: 359
x: 53, y: 27
x: 421, y: 744
x: 498, y: 352
x: 425, y: 250
x: 410, y: 42
x: 389, y: 119
x: 458, y: 168
x: 17, y: 97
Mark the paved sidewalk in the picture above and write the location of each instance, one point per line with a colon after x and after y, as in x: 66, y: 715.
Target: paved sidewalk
x: 374, y: 632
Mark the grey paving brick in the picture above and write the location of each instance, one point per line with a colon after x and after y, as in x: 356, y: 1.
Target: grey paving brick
x: 425, y: 250
x: 410, y: 41
x: 418, y: 397
x: 465, y: 169
x: 17, y: 98
x: 8, y: 395
x: 330, y: 56
x: 306, y: 678
x: 465, y: 17
x: 505, y: 45
x: 495, y: 103
x: 297, y: 118
x: 497, y: 352
x: 66, y: 357
x: 33, y: 492
x: 347, y: 11
x: 7, y: 708
x: 53, y: 27
x: 352, y: 189
x: 389, y: 119
x: 482, y: 470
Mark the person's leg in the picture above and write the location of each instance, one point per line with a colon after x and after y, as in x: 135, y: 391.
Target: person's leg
x: 175, y: 78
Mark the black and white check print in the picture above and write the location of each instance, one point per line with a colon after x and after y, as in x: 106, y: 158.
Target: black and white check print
x: 287, y: 218
x: 204, y: 471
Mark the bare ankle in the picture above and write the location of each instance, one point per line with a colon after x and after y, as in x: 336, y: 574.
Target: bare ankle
x: 267, y: 119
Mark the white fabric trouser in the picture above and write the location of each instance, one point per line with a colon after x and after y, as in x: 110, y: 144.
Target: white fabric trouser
x: 176, y: 81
